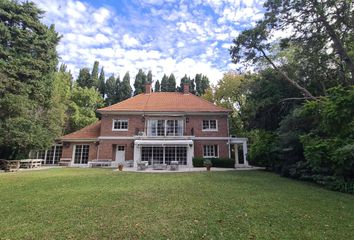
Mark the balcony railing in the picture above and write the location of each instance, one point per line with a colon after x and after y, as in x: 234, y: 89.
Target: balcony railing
x: 165, y: 132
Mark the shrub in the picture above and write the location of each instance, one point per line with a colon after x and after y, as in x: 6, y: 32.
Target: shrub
x: 216, y: 162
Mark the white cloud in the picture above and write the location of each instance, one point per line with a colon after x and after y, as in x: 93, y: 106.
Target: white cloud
x: 178, y: 37
x: 129, y: 41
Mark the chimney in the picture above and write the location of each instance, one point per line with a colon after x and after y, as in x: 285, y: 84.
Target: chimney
x: 147, y: 88
x: 186, y: 88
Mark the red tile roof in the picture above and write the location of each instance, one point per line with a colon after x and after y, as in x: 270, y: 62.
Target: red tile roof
x: 89, y: 132
x: 165, y: 102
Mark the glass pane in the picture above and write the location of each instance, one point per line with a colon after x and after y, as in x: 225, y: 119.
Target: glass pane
x: 205, y: 124
x: 57, y: 155
x: 146, y: 154
x: 170, y: 154
x: 85, y: 154
x: 157, y: 155
x: 212, y: 124
x: 161, y: 128
x: 181, y: 155
x: 77, y: 155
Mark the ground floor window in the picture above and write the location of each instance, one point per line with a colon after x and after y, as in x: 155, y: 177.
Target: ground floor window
x: 81, y: 154
x: 164, y: 155
x: 210, y: 151
x: 50, y: 156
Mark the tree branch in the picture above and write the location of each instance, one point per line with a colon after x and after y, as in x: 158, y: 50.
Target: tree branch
x: 286, y: 77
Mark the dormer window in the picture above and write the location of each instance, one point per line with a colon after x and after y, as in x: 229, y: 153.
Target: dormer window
x: 120, y: 125
x: 210, y: 125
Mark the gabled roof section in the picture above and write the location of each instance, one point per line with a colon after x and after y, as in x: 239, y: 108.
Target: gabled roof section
x: 90, y: 132
x: 164, y: 102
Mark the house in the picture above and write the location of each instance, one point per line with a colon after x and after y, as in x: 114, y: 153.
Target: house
x: 157, y: 127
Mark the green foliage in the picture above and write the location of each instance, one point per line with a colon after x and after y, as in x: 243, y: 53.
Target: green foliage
x: 82, y: 107
x: 164, y: 83
x: 157, y: 87
x: 139, y: 83
x: 102, y: 83
x: 94, y: 74
x: 124, y: 88
x: 263, y: 148
x: 171, y: 83
x: 28, y: 60
x: 84, y: 79
x: 207, y: 163
x: 201, y: 84
x: 111, y: 90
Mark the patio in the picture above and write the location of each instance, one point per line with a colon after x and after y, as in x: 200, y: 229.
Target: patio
x: 187, y: 169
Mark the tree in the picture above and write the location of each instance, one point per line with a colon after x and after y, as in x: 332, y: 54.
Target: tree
x: 82, y: 107
x: 164, y: 83
x: 201, y: 84
x: 149, y: 77
x: 111, y: 90
x: 125, y: 88
x: 171, y: 83
x: 139, y: 83
x: 28, y: 61
x: 102, y: 83
x: 157, y: 86
x: 94, y: 74
x: 84, y: 78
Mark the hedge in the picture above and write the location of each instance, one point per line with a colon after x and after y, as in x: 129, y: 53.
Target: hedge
x: 217, y: 162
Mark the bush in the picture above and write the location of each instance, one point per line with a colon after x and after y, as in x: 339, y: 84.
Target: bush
x: 263, y: 151
x: 216, y: 162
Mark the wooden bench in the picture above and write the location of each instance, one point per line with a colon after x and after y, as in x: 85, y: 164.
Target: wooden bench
x: 30, y: 163
x: 9, y: 165
x: 100, y: 164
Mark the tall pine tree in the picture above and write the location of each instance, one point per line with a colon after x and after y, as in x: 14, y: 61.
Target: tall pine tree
x: 125, y: 88
x: 171, y: 83
x: 28, y: 61
x: 164, y: 84
x: 157, y: 86
x: 94, y: 74
x: 149, y: 77
x: 184, y: 80
x: 111, y: 87
x: 139, y: 83
x: 102, y: 83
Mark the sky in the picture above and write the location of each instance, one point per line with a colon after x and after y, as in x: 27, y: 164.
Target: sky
x: 164, y: 36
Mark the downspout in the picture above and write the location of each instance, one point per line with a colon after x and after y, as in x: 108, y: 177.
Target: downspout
x: 228, y: 131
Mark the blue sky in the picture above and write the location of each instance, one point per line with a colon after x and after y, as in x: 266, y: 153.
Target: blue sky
x: 180, y: 37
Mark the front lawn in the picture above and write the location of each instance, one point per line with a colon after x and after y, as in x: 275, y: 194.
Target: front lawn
x: 101, y: 204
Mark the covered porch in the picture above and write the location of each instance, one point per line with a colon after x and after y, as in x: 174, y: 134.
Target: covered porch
x: 238, y: 150
x: 163, y: 152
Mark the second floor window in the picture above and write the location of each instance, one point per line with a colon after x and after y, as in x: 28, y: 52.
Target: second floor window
x: 210, y: 125
x: 120, y: 125
x: 164, y: 127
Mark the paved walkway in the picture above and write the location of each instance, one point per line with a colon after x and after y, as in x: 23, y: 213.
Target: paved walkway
x: 187, y: 169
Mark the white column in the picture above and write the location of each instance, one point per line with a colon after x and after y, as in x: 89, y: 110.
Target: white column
x: 190, y: 155
x: 236, y: 155
x: 137, y: 155
x: 244, y: 145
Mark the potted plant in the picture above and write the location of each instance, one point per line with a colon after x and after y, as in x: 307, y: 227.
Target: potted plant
x: 208, y: 164
x: 120, y: 166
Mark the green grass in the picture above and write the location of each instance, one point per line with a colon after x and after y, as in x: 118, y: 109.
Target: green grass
x: 101, y: 204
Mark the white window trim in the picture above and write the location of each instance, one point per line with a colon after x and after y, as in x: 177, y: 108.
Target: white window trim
x: 218, y: 151
x: 119, y: 130
x: 209, y: 129
x: 73, y: 156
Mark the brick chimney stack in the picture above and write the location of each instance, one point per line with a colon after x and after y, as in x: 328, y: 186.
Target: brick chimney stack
x: 186, y: 88
x: 147, y: 88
